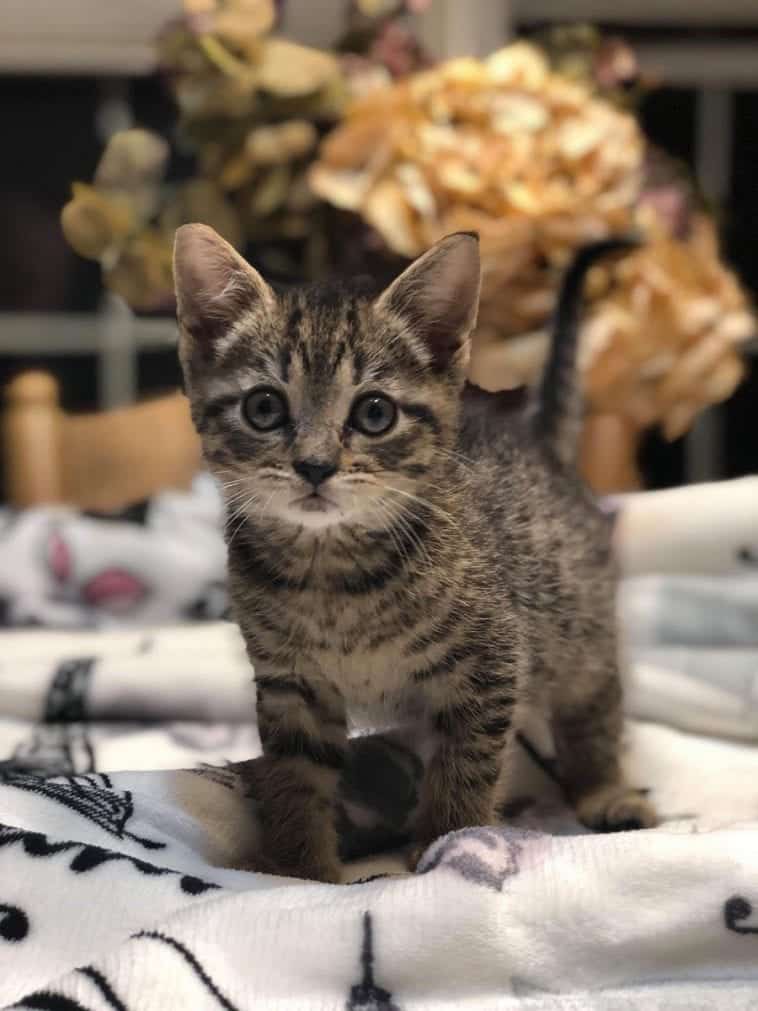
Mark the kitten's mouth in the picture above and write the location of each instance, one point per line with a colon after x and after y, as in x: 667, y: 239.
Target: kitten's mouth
x: 314, y: 503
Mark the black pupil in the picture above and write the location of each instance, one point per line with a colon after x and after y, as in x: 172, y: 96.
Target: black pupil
x: 376, y: 411
x: 265, y: 409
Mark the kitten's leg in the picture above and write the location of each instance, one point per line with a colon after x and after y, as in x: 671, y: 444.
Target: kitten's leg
x: 587, y: 727
x: 476, y: 729
x: 303, y: 732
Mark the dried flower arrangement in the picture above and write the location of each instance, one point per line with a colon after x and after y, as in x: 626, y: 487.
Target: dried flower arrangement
x: 252, y: 107
x: 538, y: 162
x: 113, y: 219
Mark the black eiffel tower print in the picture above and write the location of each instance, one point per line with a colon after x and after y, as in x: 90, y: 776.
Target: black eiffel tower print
x: 366, y: 995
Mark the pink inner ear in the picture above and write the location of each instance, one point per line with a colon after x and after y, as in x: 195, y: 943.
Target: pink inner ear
x: 439, y: 295
x: 213, y: 282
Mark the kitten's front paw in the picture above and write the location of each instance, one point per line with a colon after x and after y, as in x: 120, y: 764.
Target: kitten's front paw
x: 616, y: 808
x: 327, y: 872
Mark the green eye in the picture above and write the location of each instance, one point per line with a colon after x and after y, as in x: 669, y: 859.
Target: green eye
x: 265, y: 409
x: 373, y: 414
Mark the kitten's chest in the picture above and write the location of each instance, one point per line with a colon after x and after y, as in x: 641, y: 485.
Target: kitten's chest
x: 359, y: 646
x: 367, y: 672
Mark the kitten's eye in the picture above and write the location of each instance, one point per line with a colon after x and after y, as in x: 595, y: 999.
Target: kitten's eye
x: 265, y: 409
x: 373, y: 414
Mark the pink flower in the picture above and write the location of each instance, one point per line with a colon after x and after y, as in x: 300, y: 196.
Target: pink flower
x: 58, y: 557
x: 615, y: 63
x: 396, y: 47
x: 114, y: 590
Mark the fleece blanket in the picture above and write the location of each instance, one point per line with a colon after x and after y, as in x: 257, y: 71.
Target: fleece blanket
x: 159, y: 561
x: 124, y: 889
x: 128, y: 890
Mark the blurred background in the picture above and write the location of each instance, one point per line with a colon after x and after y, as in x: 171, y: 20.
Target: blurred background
x: 343, y: 136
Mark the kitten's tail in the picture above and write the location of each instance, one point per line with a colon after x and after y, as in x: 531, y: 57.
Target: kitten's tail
x: 558, y: 419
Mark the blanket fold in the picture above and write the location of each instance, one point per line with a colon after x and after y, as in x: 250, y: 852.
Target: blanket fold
x: 122, y: 883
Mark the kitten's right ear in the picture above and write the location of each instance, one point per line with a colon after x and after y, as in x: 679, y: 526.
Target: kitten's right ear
x: 214, y: 285
x: 439, y: 296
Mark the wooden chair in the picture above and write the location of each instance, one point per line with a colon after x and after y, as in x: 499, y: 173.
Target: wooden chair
x: 102, y: 461
x: 609, y: 451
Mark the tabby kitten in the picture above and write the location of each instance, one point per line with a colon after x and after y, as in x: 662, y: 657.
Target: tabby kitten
x: 390, y: 548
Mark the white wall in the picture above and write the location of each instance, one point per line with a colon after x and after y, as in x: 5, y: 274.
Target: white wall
x: 720, y: 13
x: 81, y: 36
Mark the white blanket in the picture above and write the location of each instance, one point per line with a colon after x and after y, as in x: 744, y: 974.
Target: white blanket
x: 113, y: 895
x: 116, y: 888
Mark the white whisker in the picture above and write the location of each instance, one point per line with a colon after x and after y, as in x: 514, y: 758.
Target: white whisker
x: 437, y: 510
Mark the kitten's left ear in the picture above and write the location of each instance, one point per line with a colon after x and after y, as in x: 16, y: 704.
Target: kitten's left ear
x: 214, y: 287
x: 439, y: 295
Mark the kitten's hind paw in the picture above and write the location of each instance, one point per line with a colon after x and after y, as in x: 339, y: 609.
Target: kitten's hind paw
x: 413, y: 857
x: 616, y: 808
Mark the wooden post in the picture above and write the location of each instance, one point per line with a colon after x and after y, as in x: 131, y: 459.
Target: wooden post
x: 31, y: 440
x: 610, y: 443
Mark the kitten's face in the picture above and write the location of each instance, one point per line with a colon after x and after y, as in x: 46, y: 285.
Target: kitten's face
x: 323, y: 406
x: 321, y: 423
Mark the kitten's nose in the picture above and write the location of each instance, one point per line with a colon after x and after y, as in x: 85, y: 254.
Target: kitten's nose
x: 314, y: 471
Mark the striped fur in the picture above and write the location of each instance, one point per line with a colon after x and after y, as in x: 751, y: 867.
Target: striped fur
x: 463, y: 574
